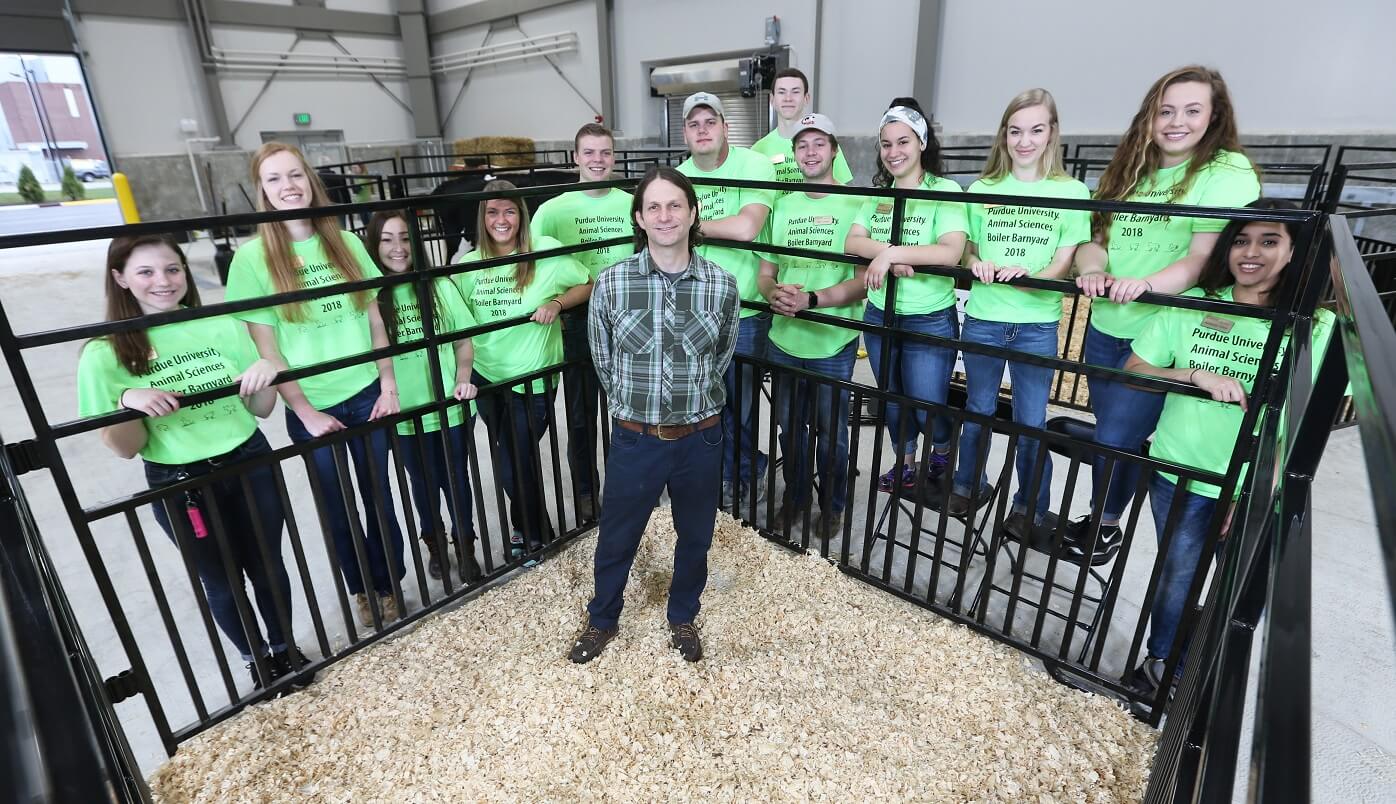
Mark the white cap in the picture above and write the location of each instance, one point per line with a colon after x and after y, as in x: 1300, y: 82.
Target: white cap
x: 707, y: 99
x: 909, y: 116
x: 815, y: 122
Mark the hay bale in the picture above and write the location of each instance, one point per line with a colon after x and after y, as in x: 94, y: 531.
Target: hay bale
x: 518, y: 151
x: 1073, y: 350
x: 814, y: 688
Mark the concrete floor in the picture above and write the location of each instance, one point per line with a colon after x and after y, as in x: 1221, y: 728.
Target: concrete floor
x: 1354, y: 674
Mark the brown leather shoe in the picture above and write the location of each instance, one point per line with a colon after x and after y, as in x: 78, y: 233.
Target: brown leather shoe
x: 684, y: 637
x: 590, y: 643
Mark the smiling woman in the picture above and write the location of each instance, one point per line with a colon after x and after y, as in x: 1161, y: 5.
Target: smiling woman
x: 516, y: 418
x: 149, y: 371
x: 1182, y: 147
x: 310, y: 252
x: 434, y: 469
x: 1219, y: 354
x: 1008, y: 241
x: 933, y: 233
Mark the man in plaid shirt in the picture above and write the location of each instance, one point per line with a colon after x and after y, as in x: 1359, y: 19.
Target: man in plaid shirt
x: 662, y: 327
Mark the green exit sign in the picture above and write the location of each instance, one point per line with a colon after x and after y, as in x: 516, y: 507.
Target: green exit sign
x: 302, y: 118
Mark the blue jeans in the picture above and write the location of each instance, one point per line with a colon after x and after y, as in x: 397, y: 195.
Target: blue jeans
x: 384, y: 560
x: 426, y: 464
x: 919, y: 370
x: 1125, y: 417
x: 811, y: 410
x: 1031, y: 387
x: 582, y: 397
x: 516, y: 424
x: 637, y: 470
x: 751, y: 342
x: 1184, y: 558
x: 236, y: 529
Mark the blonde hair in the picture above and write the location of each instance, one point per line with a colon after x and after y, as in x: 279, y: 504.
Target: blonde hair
x: 276, y: 240
x: 1050, y: 162
x: 523, y: 271
x: 1138, y: 156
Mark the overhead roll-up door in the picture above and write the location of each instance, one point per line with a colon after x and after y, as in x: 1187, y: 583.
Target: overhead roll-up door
x: 748, y: 118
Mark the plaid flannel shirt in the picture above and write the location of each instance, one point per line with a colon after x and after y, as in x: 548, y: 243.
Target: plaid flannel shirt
x: 661, y: 347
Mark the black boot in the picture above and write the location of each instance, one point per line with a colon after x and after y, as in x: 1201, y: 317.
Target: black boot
x: 470, y: 571
x: 469, y: 567
x: 433, y: 556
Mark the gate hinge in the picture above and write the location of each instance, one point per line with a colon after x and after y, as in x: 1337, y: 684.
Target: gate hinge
x: 26, y: 456
x: 121, y: 686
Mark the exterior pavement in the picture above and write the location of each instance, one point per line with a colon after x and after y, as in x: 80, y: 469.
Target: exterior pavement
x: 21, y: 218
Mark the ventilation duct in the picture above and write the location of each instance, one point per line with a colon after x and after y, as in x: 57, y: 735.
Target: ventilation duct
x: 717, y: 77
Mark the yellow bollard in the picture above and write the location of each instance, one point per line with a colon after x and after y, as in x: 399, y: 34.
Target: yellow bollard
x: 124, y: 199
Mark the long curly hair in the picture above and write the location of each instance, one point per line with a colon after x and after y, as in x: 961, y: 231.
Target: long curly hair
x: 1138, y: 156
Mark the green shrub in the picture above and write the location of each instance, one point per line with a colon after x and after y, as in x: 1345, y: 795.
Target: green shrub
x: 29, y: 188
x: 72, y: 188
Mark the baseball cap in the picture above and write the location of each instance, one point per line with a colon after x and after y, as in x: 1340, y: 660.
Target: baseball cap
x: 703, y: 99
x: 815, y: 122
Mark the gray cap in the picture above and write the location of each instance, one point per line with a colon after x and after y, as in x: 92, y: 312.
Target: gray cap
x: 703, y: 99
x: 815, y: 122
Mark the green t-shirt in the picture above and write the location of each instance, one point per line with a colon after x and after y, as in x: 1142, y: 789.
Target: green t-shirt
x: 822, y: 224
x: 490, y: 295
x: 925, y: 222
x: 1008, y: 234
x: 332, y: 326
x: 781, y: 152
x: 576, y: 217
x: 413, y: 369
x: 1199, y: 432
x: 722, y: 202
x: 1141, y: 245
x: 187, y: 357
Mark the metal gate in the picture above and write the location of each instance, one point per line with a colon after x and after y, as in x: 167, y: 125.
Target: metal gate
x: 1063, y: 617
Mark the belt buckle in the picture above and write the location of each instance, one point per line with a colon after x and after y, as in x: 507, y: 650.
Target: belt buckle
x: 659, y: 430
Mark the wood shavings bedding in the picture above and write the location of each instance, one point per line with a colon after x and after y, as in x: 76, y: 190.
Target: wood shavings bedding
x: 813, y: 687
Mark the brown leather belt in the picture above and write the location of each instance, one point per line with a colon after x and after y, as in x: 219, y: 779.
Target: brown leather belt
x: 668, y: 432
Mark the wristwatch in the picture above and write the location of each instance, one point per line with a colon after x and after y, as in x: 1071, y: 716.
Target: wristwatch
x: 813, y: 300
